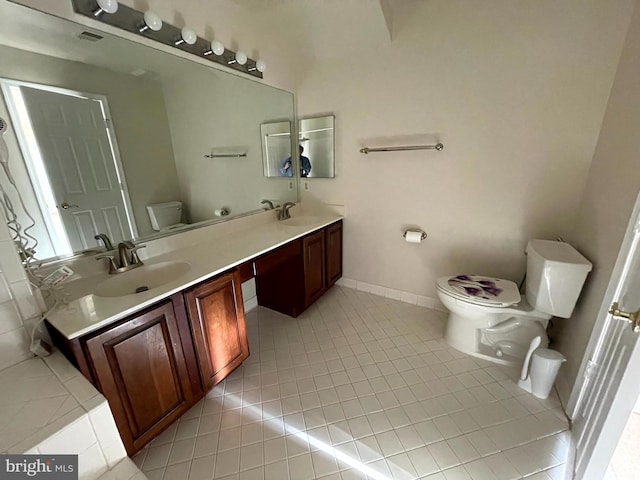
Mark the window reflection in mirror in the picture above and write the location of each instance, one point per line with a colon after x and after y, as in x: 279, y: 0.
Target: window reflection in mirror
x: 166, y: 112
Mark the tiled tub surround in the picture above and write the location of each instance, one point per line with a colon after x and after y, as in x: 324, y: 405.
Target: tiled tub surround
x: 18, y: 307
x: 209, y: 251
x: 48, y: 407
x: 360, y: 385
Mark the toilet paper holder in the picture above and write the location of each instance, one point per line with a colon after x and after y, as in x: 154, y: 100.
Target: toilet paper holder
x: 423, y: 235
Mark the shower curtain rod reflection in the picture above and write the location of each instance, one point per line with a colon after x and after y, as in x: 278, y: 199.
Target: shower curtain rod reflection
x: 437, y: 146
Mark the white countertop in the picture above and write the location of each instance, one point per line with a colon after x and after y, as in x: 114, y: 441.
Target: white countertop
x: 207, y: 259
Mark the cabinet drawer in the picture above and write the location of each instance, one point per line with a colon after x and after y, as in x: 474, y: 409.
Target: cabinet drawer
x: 277, y: 257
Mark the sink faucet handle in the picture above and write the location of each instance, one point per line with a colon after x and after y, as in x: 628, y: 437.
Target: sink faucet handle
x: 112, y: 262
x: 134, y: 254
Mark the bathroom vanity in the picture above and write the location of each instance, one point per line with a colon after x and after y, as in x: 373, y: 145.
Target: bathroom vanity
x: 292, y: 277
x: 154, y: 362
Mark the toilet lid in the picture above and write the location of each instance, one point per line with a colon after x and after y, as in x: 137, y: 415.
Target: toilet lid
x: 480, y: 290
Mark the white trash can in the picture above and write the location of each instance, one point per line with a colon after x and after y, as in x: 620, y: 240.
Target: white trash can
x: 545, y: 364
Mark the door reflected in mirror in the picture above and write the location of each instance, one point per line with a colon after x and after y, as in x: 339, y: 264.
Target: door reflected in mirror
x: 73, y: 161
x: 317, y: 147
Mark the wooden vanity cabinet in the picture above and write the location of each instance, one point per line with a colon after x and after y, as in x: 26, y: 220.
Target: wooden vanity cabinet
x: 216, y: 316
x: 280, y: 283
x: 290, y: 278
x: 314, y: 265
x: 155, y: 365
x: 334, y: 252
x: 141, y: 368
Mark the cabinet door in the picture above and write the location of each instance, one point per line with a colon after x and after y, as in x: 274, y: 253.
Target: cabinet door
x: 334, y: 253
x: 314, y: 266
x: 140, y: 368
x: 280, y: 279
x: 216, y: 313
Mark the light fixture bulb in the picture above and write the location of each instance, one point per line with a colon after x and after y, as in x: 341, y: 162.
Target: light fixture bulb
x: 151, y: 21
x: 187, y: 36
x: 260, y: 66
x: 241, y: 58
x: 217, y: 47
x: 106, y: 6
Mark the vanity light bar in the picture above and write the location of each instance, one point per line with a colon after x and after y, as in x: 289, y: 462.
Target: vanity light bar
x: 131, y: 20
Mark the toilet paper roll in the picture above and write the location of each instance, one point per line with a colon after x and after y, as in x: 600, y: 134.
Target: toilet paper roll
x: 413, y: 236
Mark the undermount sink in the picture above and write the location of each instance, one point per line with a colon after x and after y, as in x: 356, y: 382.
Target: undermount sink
x: 301, y: 221
x: 141, y: 279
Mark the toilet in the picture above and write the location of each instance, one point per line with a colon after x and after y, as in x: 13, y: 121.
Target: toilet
x: 165, y: 216
x: 489, y: 319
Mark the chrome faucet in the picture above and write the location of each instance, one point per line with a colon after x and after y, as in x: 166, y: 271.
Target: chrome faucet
x: 106, y: 240
x: 126, y: 259
x: 283, y: 213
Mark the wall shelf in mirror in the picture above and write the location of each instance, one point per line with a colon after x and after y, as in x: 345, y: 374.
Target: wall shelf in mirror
x: 225, y: 155
x: 131, y: 20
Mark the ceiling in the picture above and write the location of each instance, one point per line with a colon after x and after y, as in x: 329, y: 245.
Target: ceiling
x: 301, y: 31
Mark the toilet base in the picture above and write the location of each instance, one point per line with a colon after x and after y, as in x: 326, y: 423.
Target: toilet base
x: 504, y: 343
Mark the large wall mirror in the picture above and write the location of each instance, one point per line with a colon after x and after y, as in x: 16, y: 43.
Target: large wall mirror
x: 103, y: 130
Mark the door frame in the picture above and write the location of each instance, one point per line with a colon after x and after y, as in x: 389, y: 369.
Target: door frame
x: 6, y: 84
x: 628, y: 389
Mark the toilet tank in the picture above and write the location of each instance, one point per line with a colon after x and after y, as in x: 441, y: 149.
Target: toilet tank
x: 165, y: 214
x: 555, y: 275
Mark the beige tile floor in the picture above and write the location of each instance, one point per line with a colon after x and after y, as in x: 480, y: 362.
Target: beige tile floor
x: 361, y: 386
x: 625, y: 463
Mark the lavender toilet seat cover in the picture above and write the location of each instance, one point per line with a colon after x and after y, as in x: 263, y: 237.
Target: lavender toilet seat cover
x: 485, y: 290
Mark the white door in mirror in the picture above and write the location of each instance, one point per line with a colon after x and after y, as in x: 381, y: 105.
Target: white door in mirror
x: 81, y: 176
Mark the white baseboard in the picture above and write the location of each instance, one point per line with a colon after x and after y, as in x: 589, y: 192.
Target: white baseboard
x: 564, y: 391
x: 386, y: 292
x: 250, y: 304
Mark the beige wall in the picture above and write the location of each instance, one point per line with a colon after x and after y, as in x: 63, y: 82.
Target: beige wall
x: 607, y: 203
x: 515, y: 90
x: 138, y: 114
